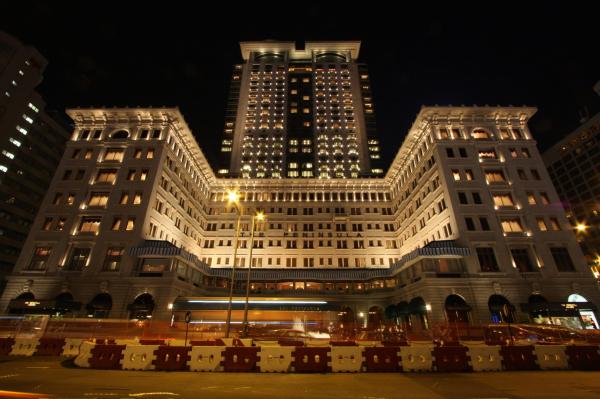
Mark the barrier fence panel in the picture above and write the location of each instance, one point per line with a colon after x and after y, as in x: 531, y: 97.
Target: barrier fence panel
x: 85, y: 353
x: 519, y: 357
x: 311, y: 360
x: 583, y: 357
x: 382, y: 359
x: 416, y: 358
x: 240, y: 359
x: 485, y: 358
x: 139, y: 357
x: 552, y: 357
x: 24, y: 347
x: 50, y: 347
x: 275, y: 359
x: 206, y: 358
x: 450, y: 359
x: 346, y: 359
x: 72, y: 346
x: 172, y: 358
x: 106, y: 356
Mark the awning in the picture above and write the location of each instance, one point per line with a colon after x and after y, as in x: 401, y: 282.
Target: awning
x: 557, y: 308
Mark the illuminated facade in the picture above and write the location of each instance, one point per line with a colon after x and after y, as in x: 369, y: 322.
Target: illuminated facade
x: 466, y: 215
x: 300, y: 113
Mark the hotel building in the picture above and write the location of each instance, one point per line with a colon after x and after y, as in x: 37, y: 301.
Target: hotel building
x: 465, y: 220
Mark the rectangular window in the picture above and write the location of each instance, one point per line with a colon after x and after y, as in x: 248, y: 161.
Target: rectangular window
x: 521, y: 258
x: 504, y: 199
x: 494, y: 176
x: 487, y: 259
x: 70, y: 199
x: 521, y: 174
x: 137, y: 199
x: 144, y: 174
x: 106, y: 176
x: 476, y: 198
x: 116, y: 224
x: 531, y: 199
x: 137, y: 153
x: 456, y: 174
x: 535, y: 174
x: 124, y: 198
x: 113, y: 154
x: 542, y: 224
x: 469, y: 174
x: 470, y: 224
x: 57, y: 199
x: 449, y: 153
x: 40, y: 257
x: 90, y: 225
x: 462, y: 198
x: 150, y: 154
x: 554, y: 225
x: 544, y: 198
x: 60, y: 224
x: 131, y: 175
x: 98, y: 200
x: 563, y: 261
x: 79, y: 259
x: 130, y: 224
x: 512, y: 226
x: 485, y: 226
x: 47, y: 224
x: 112, y: 261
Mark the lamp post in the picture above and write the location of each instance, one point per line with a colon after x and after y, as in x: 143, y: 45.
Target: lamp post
x: 260, y: 216
x: 233, y: 199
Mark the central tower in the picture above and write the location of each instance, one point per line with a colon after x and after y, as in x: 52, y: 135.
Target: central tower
x: 300, y: 113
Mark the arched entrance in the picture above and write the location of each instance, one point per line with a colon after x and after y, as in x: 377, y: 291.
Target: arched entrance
x: 586, y: 311
x: 100, y: 306
x: 142, y: 307
x: 391, y: 313
x: 375, y: 318
x: 418, y: 313
x: 501, y: 309
x: 403, y: 315
x: 457, y: 310
x: 346, y: 322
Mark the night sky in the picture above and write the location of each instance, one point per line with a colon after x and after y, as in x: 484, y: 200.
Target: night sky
x: 172, y: 54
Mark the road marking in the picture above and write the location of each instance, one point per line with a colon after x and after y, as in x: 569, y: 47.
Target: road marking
x: 9, y: 375
x: 152, y: 393
x: 37, y: 367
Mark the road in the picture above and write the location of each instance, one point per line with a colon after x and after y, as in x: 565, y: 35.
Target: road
x: 61, y: 380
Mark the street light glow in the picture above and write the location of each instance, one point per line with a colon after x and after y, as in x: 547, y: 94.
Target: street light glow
x: 581, y: 227
x: 233, y: 196
x: 260, y: 216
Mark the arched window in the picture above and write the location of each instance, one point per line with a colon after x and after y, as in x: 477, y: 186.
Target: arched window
x: 457, y: 310
x: 100, y: 306
x: 501, y: 309
x: 120, y: 135
x: 142, y: 307
x: 481, y: 134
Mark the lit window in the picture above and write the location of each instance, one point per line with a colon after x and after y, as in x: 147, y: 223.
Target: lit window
x: 150, y: 154
x: 98, y: 199
x: 40, y: 257
x: 137, y: 199
x: 27, y: 118
x: 106, y: 176
x: 47, y: 224
x: 542, y: 224
x: 512, y: 226
x: 15, y: 142
x: 137, y: 154
x: 305, y: 98
x: 144, y: 174
x: 294, y: 91
x: 8, y: 154
x: 116, y: 224
x: 113, y: 154
x: 22, y: 130
x: 456, y: 174
x: 124, y: 199
x: 481, y: 134
x: 70, y: 199
x: 90, y: 225
x: 531, y: 199
x: 3, y: 168
x: 130, y: 224
x: 33, y: 107
x: 503, y: 200
x: 494, y: 176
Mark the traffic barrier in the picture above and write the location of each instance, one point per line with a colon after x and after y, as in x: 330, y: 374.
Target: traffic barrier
x: 286, y: 342
x: 139, y: 357
x: 85, y: 353
x: 451, y: 359
x: 583, y: 357
x: 24, y: 347
x: 311, y: 360
x: 6, y: 345
x: 50, y: 347
x: 346, y: 359
x: 225, y: 341
x: 552, y: 357
x: 205, y: 358
x: 240, y: 359
x: 342, y: 343
x: 485, y: 358
x: 172, y: 358
x: 206, y: 343
x: 106, y: 341
x: 318, y: 343
x: 71, y: 347
x: 369, y: 343
x: 416, y: 358
x: 382, y: 359
x: 275, y: 359
x: 106, y: 356
x: 519, y: 357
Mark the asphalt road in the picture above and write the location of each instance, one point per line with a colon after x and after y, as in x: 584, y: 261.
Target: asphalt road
x: 61, y: 380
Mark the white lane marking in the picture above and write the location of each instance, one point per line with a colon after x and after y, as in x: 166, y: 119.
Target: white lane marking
x: 152, y: 393
x: 9, y: 375
x: 37, y: 367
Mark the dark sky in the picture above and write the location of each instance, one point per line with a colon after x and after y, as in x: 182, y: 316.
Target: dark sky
x: 172, y: 54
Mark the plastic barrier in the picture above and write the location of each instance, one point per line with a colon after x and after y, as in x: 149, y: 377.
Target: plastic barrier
x: 346, y: 359
x: 311, y: 360
x: 205, y: 358
x: 24, y: 347
x: 382, y: 359
x: 451, y: 359
x: 106, y: 356
x: 275, y: 359
x: 583, y: 357
x: 485, y: 358
x: 71, y: 347
x: 240, y: 359
x: 369, y: 343
x: 342, y: 343
x: 518, y: 357
x: 287, y: 342
x: 139, y: 357
x: 6, y: 345
x: 85, y: 354
x: 551, y: 357
x: 172, y: 358
x: 50, y: 347
x: 416, y: 358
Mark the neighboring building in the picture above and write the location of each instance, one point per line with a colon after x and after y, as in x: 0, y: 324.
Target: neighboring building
x: 574, y: 166
x: 465, y: 219
x: 31, y: 146
x: 305, y: 113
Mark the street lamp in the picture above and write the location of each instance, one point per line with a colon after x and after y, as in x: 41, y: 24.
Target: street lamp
x: 233, y: 199
x: 581, y: 227
x: 259, y: 217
